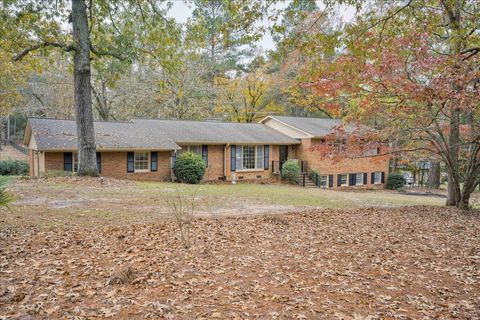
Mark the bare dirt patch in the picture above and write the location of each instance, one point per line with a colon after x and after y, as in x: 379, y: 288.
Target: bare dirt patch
x: 398, y: 263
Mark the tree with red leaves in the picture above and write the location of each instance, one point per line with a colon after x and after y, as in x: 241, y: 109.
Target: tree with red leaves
x: 413, y: 74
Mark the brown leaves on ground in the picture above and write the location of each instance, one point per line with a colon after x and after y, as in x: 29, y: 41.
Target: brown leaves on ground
x: 402, y: 263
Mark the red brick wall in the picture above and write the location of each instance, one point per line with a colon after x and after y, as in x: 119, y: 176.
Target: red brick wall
x: 306, y: 151
x: 215, y: 162
x: 114, y: 164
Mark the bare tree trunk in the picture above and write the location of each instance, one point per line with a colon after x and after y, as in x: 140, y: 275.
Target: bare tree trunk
x: 433, y: 178
x: 453, y: 196
x: 87, y: 164
x: 394, y: 164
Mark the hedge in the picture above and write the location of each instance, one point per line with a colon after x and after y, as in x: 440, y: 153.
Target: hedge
x: 189, y: 168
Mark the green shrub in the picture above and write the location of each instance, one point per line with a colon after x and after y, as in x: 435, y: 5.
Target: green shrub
x: 395, y: 181
x: 189, y: 168
x: 13, y: 168
x: 291, y: 171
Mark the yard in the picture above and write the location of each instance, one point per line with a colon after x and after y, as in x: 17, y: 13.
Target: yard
x: 73, y: 248
x: 68, y: 201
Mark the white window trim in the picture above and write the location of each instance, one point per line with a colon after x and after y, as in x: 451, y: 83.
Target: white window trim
x: 346, y: 180
x: 74, y: 157
x: 255, y: 147
x: 148, y: 164
x: 379, y: 177
x: 249, y: 170
x: 359, y: 182
x: 326, y: 181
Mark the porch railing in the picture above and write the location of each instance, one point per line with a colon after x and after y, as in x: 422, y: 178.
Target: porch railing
x: 303, y: 166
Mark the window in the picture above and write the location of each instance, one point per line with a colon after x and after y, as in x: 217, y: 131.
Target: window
x: 193, y: 148
x: 249, y: 157
x: 344, y: 179
x: 248, y: 161
x: 75, y: 161
x: 359, y: 179
x: 323, y: 181
x: 141, y: 161
x: 377, y: 177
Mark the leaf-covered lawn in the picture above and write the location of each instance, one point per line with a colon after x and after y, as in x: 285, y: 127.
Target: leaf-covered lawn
x: 383, y: 263
x: 67, y: 202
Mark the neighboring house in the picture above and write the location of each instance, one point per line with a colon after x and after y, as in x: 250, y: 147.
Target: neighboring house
x: 333, y: 172
x: 146, y: 149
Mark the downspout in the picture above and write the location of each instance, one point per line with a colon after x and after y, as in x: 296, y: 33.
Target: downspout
x: 225, y: 160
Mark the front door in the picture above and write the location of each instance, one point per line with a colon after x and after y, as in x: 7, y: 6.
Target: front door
x: 283, y: 155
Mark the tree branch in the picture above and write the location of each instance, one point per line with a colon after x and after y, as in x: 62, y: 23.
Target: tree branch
x: 472, y: 51
x: 384, y: 20
x: 65, y: 47
x: 100, y: 52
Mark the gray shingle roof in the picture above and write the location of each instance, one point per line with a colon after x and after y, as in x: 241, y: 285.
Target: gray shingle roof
x: 152, y: 134
x: 317, y: 127
x: 53, y: 134
x: 215, y: 132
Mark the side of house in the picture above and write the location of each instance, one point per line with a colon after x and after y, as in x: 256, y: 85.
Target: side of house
x: 146, y: 149
x: 334, y: 171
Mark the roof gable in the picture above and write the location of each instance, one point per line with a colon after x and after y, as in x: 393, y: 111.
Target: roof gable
x: 311, y: 127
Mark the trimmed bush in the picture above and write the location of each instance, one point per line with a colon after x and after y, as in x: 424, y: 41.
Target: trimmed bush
x: 189, y: 168
x: 291, y: 171
x: 13, y: 168
x: 395, y: 181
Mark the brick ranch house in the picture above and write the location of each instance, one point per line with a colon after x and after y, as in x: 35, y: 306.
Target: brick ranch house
x: 146, y: 149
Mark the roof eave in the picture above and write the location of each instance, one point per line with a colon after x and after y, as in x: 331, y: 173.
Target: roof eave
x: 237, y: 142
x: 107, y: 149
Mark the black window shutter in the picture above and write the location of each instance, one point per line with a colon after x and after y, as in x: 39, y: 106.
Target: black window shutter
x: 383, y: 177
x: 68, y: 161
x: 154, y: 161
x: 99, y: 162
x: 130, y: 161
x: 373, y: 178
x: 339, y: 180
x: 233, y: 159
x: 353, y: 179
x: 330, y: 181
x: 205, y: 154
x: 266, y: 157
x: 365, y: 178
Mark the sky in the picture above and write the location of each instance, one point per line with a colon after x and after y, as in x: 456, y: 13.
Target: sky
x: 181, y: 12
